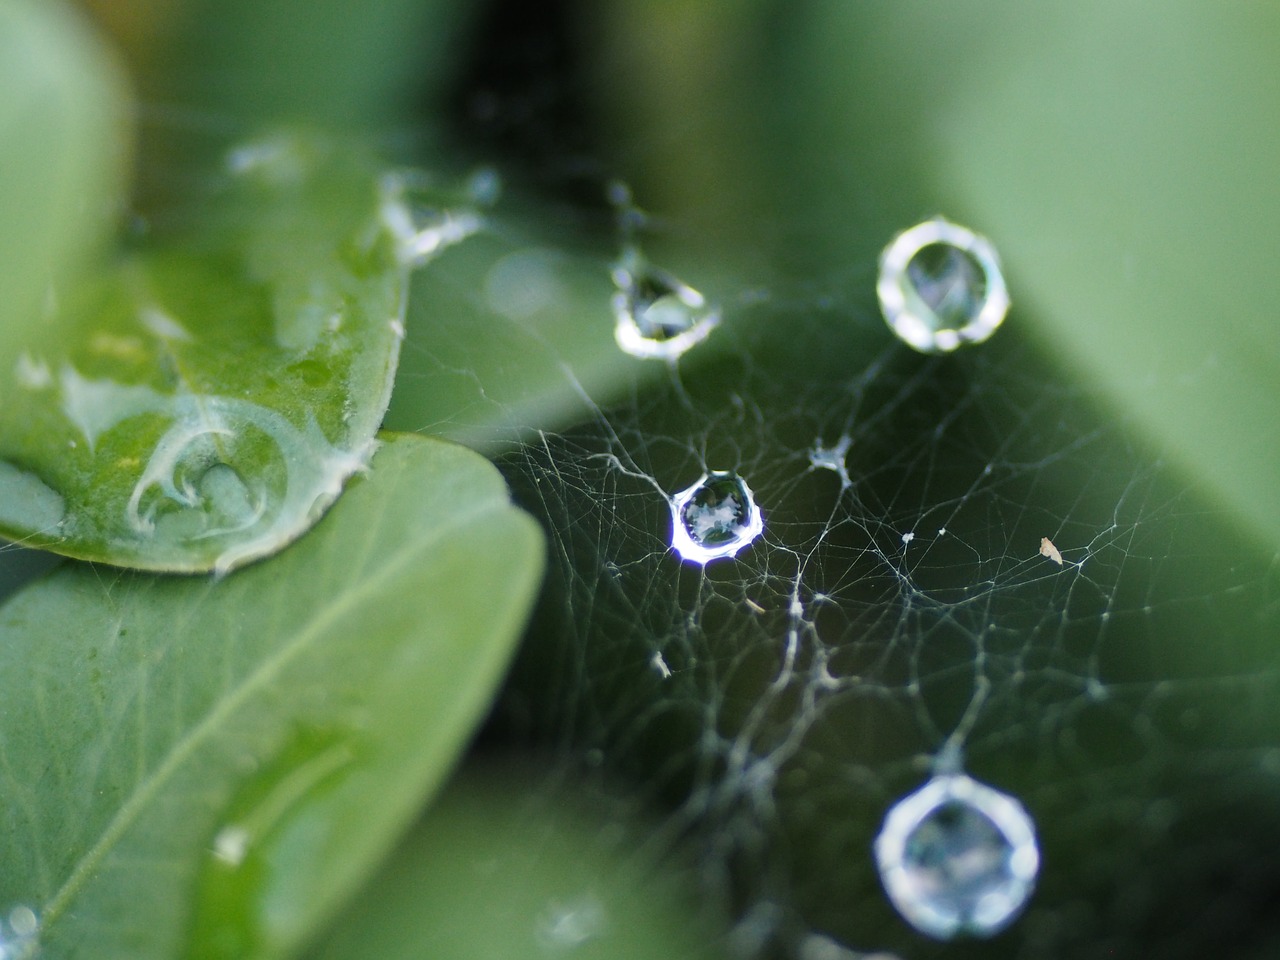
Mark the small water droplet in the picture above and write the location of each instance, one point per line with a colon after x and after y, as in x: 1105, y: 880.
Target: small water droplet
x: 262, y: 862
x: 941, y: 286
x: 958, y: 857
x: 23, y: 921
x: 657, y: 315
x: 18, y: 937
x: 716, y: 517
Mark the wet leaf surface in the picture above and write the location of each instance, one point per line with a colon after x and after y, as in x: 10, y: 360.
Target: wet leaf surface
x: 201, y: 404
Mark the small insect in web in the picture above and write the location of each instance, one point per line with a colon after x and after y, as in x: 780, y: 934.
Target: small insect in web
x: 1047, y: 549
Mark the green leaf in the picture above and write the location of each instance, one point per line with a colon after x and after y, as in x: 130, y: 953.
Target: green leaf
x: 203, y: 403
x: 207, y: 767
x: 325, y: 61
x: 62, y: 151
x: 1127, y: 166
x: 504, y: 866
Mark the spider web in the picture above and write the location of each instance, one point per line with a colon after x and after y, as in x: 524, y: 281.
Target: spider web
x: 897, y: 617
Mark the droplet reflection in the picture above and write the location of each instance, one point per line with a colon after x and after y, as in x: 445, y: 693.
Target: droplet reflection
x: 19, y: 936
x: 657, y: 315
x: 958, y: 857
x: 941, y: 286
x: 716, y: 517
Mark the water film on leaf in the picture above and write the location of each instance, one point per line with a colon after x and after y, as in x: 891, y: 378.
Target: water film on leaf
x: 204, y: 401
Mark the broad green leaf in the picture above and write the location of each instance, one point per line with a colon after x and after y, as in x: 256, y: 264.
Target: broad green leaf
x: 206, y: 767
x: 321, y: 61
x: 202, y: 404
x: 506, y: 867
x: 62, y: 149
x: 1128, y: 166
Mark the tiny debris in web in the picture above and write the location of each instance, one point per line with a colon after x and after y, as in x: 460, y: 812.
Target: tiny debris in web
x: 1047, y: 549
x: 659, y: 663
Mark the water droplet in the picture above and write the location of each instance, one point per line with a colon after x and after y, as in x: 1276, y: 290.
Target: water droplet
x: 716, y: 517
x: 656, y: 314
x: 958, y: 857
x: 23, y: 921
x: 941, y: 286
x: 261, y: 866
x: 18, y: 937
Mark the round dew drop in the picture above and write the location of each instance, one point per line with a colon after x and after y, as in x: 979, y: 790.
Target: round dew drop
x: 958, y: 857
x: 655, y: 314
x: 716, y: 517
x: 941, y: 286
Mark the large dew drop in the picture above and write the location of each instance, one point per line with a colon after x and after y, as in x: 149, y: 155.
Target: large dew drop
x: 958, y: 857
x: 941, y: 286
x: 657, y: 315
x: 716, y: 517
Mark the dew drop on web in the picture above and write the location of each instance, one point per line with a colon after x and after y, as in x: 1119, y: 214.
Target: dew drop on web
x: 715, y: 517
x: 656, y: 314
x: 941, y: 286
x: 958, y: 857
